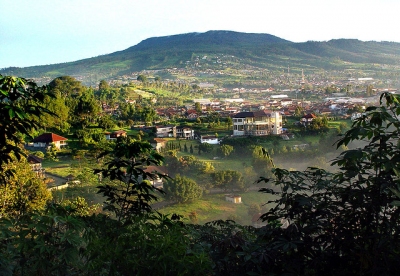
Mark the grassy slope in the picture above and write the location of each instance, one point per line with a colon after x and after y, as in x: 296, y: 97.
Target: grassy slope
x: 214, y: 207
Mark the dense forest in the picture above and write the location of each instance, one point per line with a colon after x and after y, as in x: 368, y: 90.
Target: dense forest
x: 320, y: 223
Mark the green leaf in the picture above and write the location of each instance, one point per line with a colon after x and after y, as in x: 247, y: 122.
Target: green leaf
x: 11, y: 113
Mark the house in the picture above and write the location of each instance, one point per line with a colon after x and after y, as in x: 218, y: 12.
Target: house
x: 118, y: 133
x: 157, y: 182
x: 165, y: 131
x: 356, y: 115
x: 257, y: 123
x: 210, y: 139
x: 307, y: 119
x: 233, y: 198
x: 184, y: 132
x: 191, y: 114
x: 158, y: 143
x: 36, y: 165
x: 46, y: 139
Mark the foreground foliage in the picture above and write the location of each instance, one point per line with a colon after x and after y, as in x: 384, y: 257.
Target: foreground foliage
x: 346, y: 222
x: 19, y: 110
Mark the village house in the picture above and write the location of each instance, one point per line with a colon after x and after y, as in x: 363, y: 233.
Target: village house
x: 157, y: 182
x: 257, y: 123
x: 114, y: 135
x: 158, y: 143
x: 165, y: 131
x: 233, y: 198
x: 184, y: 132
x: 307, y: 119
x: 36, y: 165
x: 210, y: 139
x: 191, y: 114
x: 47, y: 139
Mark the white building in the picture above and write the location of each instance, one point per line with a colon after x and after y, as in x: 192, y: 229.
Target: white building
x: 210, y: 139
x: 257, y: 123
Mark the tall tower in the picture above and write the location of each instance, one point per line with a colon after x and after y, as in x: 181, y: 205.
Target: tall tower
x: 302, y: 82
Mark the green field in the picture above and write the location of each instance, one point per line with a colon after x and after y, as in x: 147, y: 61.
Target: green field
x: 215, y: 207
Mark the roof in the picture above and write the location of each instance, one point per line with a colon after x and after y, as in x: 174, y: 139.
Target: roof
x: 232, y: 196
x: 309, y: 116
x: 33, y: 159
x: 183, y: 127
x: 208, y: 137
x: 158, y: 140
x: 49, y: 138
x: 158, y: 169
x: 248, y: 114
x: 119, y: 132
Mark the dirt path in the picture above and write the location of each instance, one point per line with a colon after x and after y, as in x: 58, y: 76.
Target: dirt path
x: 58, y: 180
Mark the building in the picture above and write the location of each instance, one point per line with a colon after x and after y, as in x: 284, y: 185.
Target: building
x: 257, y: 123
x: 46, y: 139
x: 118, y: 133
x: 307, y: 119
x: 210, y: 139
x: 174, y: 131
x: 233, y: 198
x: 184, y: 132
x: 36, y: 165
x: 157, y: 181
x: 165, y: 131
x: 158, y: 143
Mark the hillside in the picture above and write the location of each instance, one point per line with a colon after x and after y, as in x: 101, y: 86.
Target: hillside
x: 243, y: 49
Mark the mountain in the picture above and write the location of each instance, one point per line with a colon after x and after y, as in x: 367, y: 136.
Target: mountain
x: 249, y: 49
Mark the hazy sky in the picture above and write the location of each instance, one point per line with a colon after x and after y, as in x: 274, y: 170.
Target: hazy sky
x: 38, y: 32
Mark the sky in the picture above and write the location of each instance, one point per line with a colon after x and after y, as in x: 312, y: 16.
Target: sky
x: 40, y: 32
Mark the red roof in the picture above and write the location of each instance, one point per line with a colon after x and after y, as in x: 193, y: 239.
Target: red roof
x: 49, y: 138
x: 309, y: 116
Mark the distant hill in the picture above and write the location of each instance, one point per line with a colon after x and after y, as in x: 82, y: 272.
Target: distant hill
x: 256, y: 50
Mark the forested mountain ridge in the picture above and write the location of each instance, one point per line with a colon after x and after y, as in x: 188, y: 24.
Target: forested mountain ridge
x: 256, y: 50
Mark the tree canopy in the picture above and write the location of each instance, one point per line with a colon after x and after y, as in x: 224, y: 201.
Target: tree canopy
x: 20, y: 111
x: 182, y: 189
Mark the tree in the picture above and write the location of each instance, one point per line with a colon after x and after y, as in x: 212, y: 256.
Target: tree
x: 226, y: 150
x: 338, y: 222
x: 254, y: 209
x: 369, y: 90
x: 106, y: 122
x: 130, y: 195
x: 262, y: 161
x: 68, y: 90
x: 229, y: 122
x: 20, y: 111
x: 56, y: 105
x: 229, y: 179
x: 182, y: 189
x: 103, y: 85
x: 24, y: 191
x: 197, y: 107
x: 87, y: 108
x: 319, y: 125
x: 51, y: 152
x: 142, y: 78
x: 299, y: 111
x: 205, y: 147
